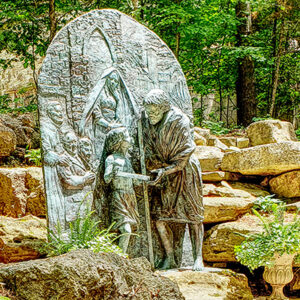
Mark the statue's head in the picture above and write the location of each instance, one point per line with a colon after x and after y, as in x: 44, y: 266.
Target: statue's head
x: 112, y: 78
x: 85, y: 148
x: 70, y: 142
x: 55, y: 113
x: 118, y: 139
x: 156, y: 104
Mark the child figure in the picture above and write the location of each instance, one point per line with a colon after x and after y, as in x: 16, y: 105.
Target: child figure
x: 123, y: 206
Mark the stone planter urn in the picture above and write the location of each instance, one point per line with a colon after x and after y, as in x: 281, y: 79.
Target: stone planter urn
x: 280, y: 274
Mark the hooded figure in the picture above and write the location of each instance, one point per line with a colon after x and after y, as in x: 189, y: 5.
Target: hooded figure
x: 109, y: 106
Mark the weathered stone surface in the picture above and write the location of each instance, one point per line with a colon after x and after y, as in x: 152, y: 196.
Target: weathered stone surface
x: 231, y: 149
x: 211, y: 284
x: 270, y: 131
x: 222, y: 209
x: 8, y: 141
x: 216, y: 176
x: 228, y: 140
x: 271, y: 159
x: 255, y: 190
x: 20, y: 239
x: 242, y: 143
x: 215, y: 142
x: 220, y: 240
x: 24, y: 128
x: 85, y: 275
x: 22, y: 192
x: 286, y: 185
x: 199, y: 139
x: 16, y: 77
x: 224, y: 190
x: 210, y: 157
x: 203, y: 132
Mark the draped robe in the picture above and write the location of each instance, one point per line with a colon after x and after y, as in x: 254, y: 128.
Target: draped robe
x: 170, y: 142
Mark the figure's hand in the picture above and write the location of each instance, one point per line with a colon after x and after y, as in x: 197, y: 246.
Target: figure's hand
x: 115, y: 171
x: 89, y: 177
x: 160, y: 175
x: 63, y: 161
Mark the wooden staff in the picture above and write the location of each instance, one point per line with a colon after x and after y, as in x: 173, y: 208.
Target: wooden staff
x: 145, y: 188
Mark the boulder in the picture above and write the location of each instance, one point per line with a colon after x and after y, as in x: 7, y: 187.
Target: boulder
x: 211, y: 284
x: 242, y: 142
x: 203, y: 132
x: 24, y: 129
x: 228, y: 141
x: 224, y: 190
x: 216, y: 176
x: 222, y: 209
x: 255, y: 190
x: 286, y: 185
x: 231, y: 149
x: 85, y: 275
x: 210, y: 158
x: 21, y: 239
x: 199, y: 139
x: 22, y: 192
x: 271, y: 159
x: 270, y: 131
x: 215, y: 142
x: 219, y: 241
x: 8, y: 141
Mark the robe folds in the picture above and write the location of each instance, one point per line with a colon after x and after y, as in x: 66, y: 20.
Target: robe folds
x: 170, y: 143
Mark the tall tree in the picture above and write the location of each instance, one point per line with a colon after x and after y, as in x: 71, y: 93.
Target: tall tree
x: 245, y: 88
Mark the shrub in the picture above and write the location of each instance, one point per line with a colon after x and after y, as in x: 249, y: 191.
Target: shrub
x: 278, y: 237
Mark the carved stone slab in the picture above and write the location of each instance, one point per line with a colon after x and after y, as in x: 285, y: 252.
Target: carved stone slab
x: 96, y: 73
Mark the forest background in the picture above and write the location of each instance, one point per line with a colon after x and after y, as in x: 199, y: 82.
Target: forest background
x: 243, y: 52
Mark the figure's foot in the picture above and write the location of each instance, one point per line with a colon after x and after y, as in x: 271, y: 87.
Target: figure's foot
x: 198, y: 265
x: 169, y: 263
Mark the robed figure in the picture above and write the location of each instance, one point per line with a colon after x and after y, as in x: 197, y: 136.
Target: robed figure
x: 169, y: 150
x: 109, y: 105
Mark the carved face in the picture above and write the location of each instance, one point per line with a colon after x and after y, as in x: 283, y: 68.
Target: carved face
x: 155, y: 113
x: 70, y: 143
x: 55, y: 113
x: 113, y: 80
x: 85, y: 148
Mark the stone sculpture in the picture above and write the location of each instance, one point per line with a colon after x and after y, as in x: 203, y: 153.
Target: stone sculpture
x: 98, y: 71
x: 123, y: 205
x: 169, y: 148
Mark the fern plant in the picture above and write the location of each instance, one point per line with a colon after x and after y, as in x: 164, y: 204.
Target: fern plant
x: 83, y: 233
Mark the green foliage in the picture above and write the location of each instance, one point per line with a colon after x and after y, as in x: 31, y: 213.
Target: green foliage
x: 17, y: 106
x: 298, y: 133
x: 257, y: 119
x: 201, y: 33
x: 34, y: 155
x: 84, y: 233
x: 265, y: 203
x: 277, y: 238
x: 216, y: 127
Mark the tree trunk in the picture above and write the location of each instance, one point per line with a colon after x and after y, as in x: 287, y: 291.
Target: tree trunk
x: 177, y: 44
x: 245, y: 92
x: 276, y: 72
x: 52, y: 19
x: 245, y: 88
